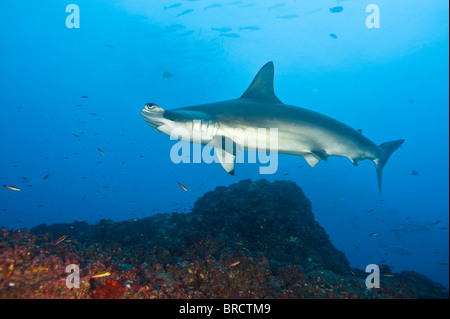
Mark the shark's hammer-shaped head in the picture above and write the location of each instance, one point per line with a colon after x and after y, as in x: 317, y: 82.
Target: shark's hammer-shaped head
x: 154, y: 116
x: 180, y: 124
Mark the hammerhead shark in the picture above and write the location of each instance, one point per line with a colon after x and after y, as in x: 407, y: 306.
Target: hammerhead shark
x: 300, y: 131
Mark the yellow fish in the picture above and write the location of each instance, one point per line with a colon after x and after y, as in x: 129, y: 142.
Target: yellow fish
x: 235, y: 264
x: 12, y: 187
x: 104, y: 274
x: 60, y: 239
x: 182, y: 186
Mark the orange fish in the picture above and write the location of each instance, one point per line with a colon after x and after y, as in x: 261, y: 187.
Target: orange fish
x: 235, y: 264
x: 12, y: 187
x: 182, y: 186
x: 60, y: 239
x: 104, y: 274
x: 388, y: 275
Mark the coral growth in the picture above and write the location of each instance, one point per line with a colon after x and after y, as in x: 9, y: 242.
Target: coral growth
x: 249, y: 240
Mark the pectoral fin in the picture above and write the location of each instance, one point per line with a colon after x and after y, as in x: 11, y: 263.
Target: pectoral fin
x: 311, y: 159
x: 315, y: 156
x: 226, y: 144
x: 226, y: 159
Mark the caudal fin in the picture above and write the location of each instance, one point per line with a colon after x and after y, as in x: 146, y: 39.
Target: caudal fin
x: 386, y: 150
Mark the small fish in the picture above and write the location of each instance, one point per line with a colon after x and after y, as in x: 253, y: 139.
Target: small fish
x: 175, y: 5
x: 343, y: 292
x: 334, y: 36
x: 46, y: 176
x: 182, y: 186
x: 250, y: 27
x: 373, y: 234
x: 84, y: 197
x: 415, y: 173
x: 233, y: 3
x: 225, y: 29
x: 278, y: 5
x: 84, y: 96
x: 443, y: 264
x: 235, y: 263
x: 75, y: 135
x: 215, y: 5
x: 437, y: 222
x: 383, y: 261
x: 388, y: 275
x: 109, y: 46
x: 336, y: 9
x: 189, y: 32
x: 103, y: 153
x: 175, y: 27
x: 185, y: 12
x: 60, y: 239
x: 104, y: 274
x: 167, y: 75
x: 12, y: 187
x: 239, y: 243
x: 287, y: 16
x: 230, y: 35
x: 314, y: 11
x: 443, y: 228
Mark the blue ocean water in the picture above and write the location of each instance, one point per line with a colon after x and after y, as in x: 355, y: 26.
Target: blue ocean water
x: 67, y: 93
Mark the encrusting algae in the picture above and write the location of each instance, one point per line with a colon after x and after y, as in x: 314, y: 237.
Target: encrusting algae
x: 248, y: 240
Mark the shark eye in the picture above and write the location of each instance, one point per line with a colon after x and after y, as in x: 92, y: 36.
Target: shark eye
x: 150, y: 105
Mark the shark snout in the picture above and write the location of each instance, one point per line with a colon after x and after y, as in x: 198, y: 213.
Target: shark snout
x: 153, y: 115
x: 152, y: 108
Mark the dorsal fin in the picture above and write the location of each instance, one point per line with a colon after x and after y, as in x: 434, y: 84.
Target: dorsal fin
x: 262, y: 86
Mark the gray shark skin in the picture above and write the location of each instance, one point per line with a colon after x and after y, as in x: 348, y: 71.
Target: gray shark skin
x: 302, y: 132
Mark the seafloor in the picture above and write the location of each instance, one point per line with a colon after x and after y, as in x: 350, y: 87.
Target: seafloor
x: 248, y: 240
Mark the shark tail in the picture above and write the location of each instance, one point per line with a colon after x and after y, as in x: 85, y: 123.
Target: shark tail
x: 385, y: 150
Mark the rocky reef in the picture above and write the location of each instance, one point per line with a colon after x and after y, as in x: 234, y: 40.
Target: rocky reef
x: 248, y: 240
